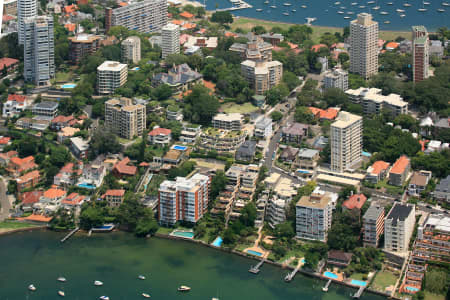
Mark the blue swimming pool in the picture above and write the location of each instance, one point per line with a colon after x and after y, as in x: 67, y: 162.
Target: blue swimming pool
x: 136, y: 69
x: 254, y: 252
x: 366, y: 154
x: 86, y: 186
x: 412, y: 289
x: 359, y: 282
x: 178, y: 147
x: 69, y: 85
x: 303, y: 172
x: 303, y: 261
x: 217, y: 242
x: 330, y: 275
x: 184, y: 234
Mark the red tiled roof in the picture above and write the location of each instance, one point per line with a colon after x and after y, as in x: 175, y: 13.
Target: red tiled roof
x: 186, y: 15
x: 230, y: 34
x: 123, y: 168
x: 17, y: 98
x: 160, y: 131
x: 73, y: 199
x: 329, y: 113
x: 69, y: 168
x: 8, y: 62
x: 8, y: 155
x: 189, y: 25
x: 54, y: 193
x: 20, y: 161
x: 122, y: 4
x: 70, y: 27
x: 355, y: 201
x: 400, y: 165
x: 379, y: 166
x: 317, y: 47
x: 5, y: 140
x: 38, y: 218
x: 70, y: 8
x: 119, y: 193
x: 28, y: 176
x: 62, y: 119
x: 177, y: 22
x: 144, y: 164
x: 31, y: 197
x: 392, y: 45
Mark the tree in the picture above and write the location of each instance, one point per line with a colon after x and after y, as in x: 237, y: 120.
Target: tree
x: 91, y: 217
x: 248, y: 215
x: 120, y: 32
x: 103, y: 141
x: 436, y: 281
x: 291, y: 80
x: 276, y: 94
x: 12, y: 187
x: 175, y: 59
x: 200, y: 11
x: 406, y: 122
x: 284, y: 230
x: 162, y: 92
x: 258, y: 30
x: 335, y: 97
x: 200, y: 106
x: 303, y: 115
x: 229, y: 237
x: 276, y: 116
x: 222, y: 17
x: 343, y: 57
x: 328, y: 39
x: 218, y: 184
x: 355, y: 81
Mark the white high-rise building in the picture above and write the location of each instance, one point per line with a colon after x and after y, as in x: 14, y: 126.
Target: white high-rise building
x: 131, y: 49
x: 170, y: 35
x: 364, y: 45
x: 313, y: 215
x: 420, y: 51
x: 336, y: 78
x: 346, y: 141
x: 39, y: 50
x: 110, y: 76
x: 25, y: 9
x: 399, y: 227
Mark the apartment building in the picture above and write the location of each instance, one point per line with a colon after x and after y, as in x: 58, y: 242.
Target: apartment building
x: 262, y: 75
x: 373, y: 225
x: 398, y: 227
x: 190, y: 133
x: 432, y: 240
x: 28, y: 180
x: 110, y: 76
x: 373, y: 101
x: 308, y: 159
x: 336, y: 78
x: 131, y: 49
x: 263, y: 127
x: 10, y: 7
x: 146, y: 16
x: 313, y: 217
x: 45, y: 109
x: 82, y: 45
x: 256, y: 49
x: 283, y: 194
x: 231, y: 121
x: 377, y: 171
x: 125, y: 118
x: 364, y: 45
x: 114, y: 198
x: 25, y: 9
x: 420, y: 51
x: 221, y: 140
x: 346, y: 141
x: 399, y: 171
x: 170, y: 39
x: 38, y: 50
x: 294, y: 133
x: 185, y: 199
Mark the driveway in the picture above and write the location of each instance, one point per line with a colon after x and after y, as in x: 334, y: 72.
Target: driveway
x: 5, y: 204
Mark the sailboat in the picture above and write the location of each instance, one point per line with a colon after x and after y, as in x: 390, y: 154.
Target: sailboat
x: 441, y: 10
x: 273, y: 5
x: 423, y: 9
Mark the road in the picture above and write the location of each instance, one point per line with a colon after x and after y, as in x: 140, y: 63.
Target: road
x: 6, y: 205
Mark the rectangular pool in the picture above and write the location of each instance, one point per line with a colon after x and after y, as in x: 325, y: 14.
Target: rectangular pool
x: 358, y: 282
x: 68, y: 86
x: 412, y: 289
x: 330, y: 275
x: 254, y: 252
x: 303, y: 261
x: 86, y: 186
x: 183, y: 234
x: 217, y: 242
x: 178, y: 147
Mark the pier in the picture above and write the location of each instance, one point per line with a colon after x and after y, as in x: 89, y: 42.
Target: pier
x: 310, y: 20
x: 70, y: 234
x: 327, y: 285
x: 255, y: 269
x: 291, y: 275
x: 237, y: 5
x: 359, y: 292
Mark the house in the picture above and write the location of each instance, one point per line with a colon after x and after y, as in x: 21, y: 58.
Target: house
x: 174, y: 113
x: 354, y: 202
x: 28, y: 199
x: 92, y: 176
x: 66, y: 132
x: 289, y: 154
x: 35, y: 123
x: 45, y: 108
x: 6, y: 157
x: 14, y: 105
x: 321, y: 114
x: 53, y: 196
x: 186, y: 15
x: 273, y: 38
x: 122, y: 169
x: 160, y: 136
x: 79, y: 147
x: 174, y: 157
x: 4, y: 141
x: 294, y: 133
x: 418, y: 182
x: 263, y: 127
x: 18, y: 165
x: 377, y: 171
x: 339, y: 258
x: 442, y: 190
x: 259, y: 100
x: 190, y: 133
x: 10, y: 64
x: 73, y: 200
x: 114, y: 198
x: 308, y: 159
x: 399, y: 171
x: 180, y: 78
x: 68, y: 174
x: 60, y: 122
x: 246, y: 151
x: 28, y: 180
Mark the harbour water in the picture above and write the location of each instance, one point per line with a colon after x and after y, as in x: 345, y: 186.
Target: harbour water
x: 118, y: 258
x: 326, y: 12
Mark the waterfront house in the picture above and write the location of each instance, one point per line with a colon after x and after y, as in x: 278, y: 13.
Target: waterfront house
x: 92, y: 175
x: 28, y: 180
x: 74, y: 200
x: 339, y: 258
x: 28, y: 199
x: 68, y: 174
x: 114, y: 198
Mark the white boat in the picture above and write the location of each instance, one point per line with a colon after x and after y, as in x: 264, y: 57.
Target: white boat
x: 445, y: 4
x: 286, y: 14
x: 273, y: 6
x: 103, y: 298
x: 376, y: 8
x: 294, y: 10
x: 350, y: 13
x: 337, y: 3
x: 441, y: 10
x: 400, y: 10
x: 31, y: 287
x: 342, y: 7
x: 214, y: 298
x: 61, y: 293
x: 354, y: 3
x: 287, y: 4
x: 259, y: 9
x: 371, y: 2
x: 362, y: 6
x: 387, y: 22
x: 98, y: 283
x: 402, y: 15
x: 384, y: 13
x: 426, y: 3
x: 266, y: 2
x: 145, y: 295
x: 340, y: 12
x: 422, y: 9
x: 62, y: 279
x: 407, y: 5
x: 390, y: 3
x: 303, y: 6
x: 141, y: 277
x: 346, y: 17
x: 184, y: 288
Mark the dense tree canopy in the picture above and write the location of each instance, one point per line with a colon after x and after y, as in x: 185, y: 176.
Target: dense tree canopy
x: 200, y: 105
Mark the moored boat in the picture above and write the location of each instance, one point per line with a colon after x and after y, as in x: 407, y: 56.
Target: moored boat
x: 286, y: 14
x: 387, y: 22
x: 62, y: 279
x: 31, y: 287
x: 441, y: 10
x: 145, y: 295
x: 259, y: 9
x: 61, y: 293
x: 141, y: 277
x: 103, y: 298
x: 184, y: 288
x: 98, y: 283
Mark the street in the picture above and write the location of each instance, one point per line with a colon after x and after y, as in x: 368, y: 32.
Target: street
x: 4, y: 201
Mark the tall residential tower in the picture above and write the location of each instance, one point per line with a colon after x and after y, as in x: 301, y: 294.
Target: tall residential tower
x: 170, y: 35
x: 364, y: 45
x: 420, y: 51
x: 25, y: 9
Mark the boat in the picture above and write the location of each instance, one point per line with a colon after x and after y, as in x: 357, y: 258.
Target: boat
x: 259, y: 9
x: 98, y: 283
x: 402, y: 15
x: 441, y: 10
x: 286, y: 13
x: 426, y: 3
x: 337, y: 3
x: 407, y: 5
x: 362, y: 6
x: 354, y: 3
x: 342, y: 7
x: 400, y: 10
x: 445, y: 4
x: 266, y: 2
x: 103, y: 298
x: 184, y: 288
x: 287, y: 4
x: 340, y: 12
x: 422, y: 9
x: 346, y: 17
x: 390, y: 3
x: 62, y: 279
x: 384, y: 13
x: 350, y: 13
x: 387, y: 22
x: 214, y: 298
x: 61, y: 293
x: 303, y: 6
x: 141, y: 277
x: 145, y: 295
x: 371, y: 2
x: 273, y: 6
x: 31, y: 287
x: 325, y: 289
x: 294, y: 10
x: 376, y: 8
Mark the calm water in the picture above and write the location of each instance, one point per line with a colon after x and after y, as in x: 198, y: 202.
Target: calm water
x: 117, y: 259
x: 326, y: 12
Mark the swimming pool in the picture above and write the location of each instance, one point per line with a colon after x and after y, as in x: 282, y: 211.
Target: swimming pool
x: 367, y: 154
x: 86, y: 186
x: 254, y: 252
x: 412, y: 289
x: 217, y: 242
x: 303, y: 172
x: 68, y: 85
x: 358, y: 282
x: 303, y: 261
x: 183, y: 234
x: 178, y: 147
x: 330, y: 275
x: 136, y: 69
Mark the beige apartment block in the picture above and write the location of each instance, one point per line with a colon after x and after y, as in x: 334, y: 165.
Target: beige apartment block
x: 170, y: 38
x: 131, y: 49
x: 110, y: 76
x: 364, y: 45
x: 420, y: 50
x: 124, y: 118
x: 262, y: 76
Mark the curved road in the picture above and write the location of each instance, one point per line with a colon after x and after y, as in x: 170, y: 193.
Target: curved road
x: 4, y: 201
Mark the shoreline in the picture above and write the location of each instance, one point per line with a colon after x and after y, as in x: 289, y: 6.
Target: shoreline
x: 22, y: 229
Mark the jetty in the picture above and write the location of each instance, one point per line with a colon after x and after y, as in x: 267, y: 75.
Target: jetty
x: 310, y: 20
x: 255, y: 269
x: 359, y: 292
x: 327, y: 285
x: 291, y: 275
x: 237, y: 5
x: 70, y: 234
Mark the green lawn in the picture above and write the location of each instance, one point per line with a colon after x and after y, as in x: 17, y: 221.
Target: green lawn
x: 297, y: 253
x: 384, y: 279
x: 164, y: 230
x: 245, y: 108
x: 430, y: 296
x: 14, y: 225
x: 389, y: 188
x: 358, y: 276
x: 63, y: 77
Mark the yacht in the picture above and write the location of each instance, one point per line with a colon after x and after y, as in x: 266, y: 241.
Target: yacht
x: 141, y: 277
x: 340, y: 12
x: 98, y: 283
x: 303, y: 6
x: 350, y: 13
x: 376, y: 8
x: 62, y: 279
x: 445, y: 4
x: 371, y: 2
x: 346, y: 17
x: 31, y: 287
x: 145, y: 295
x: 286, y: 13
x: 400, y: 10
x: 384, y: 13
x: 103, y: 298
x: 259, y: 9
x: 387, y: 22
x: 441, y: 10
x: 337, y: 3
x: 426, y: 3
x: 273, y: 6
x: 61, y: 293
x: 390, y: 3
x: 362, y: 6
x: 184, y: 288
x: 354, y: 3
x: 342, y: 7
x: 422, y: 9
x: 266, y: 2
x: 402, y: 15
x: 407, y: 5
x: 287, y: 4
x: 294, y: 10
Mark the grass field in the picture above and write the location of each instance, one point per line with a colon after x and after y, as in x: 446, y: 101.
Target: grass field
x: 383, y: 280
x: 63, y: 76
x: 358, y: 276
x: 209, y: 163
x: 248, y: 23
x: 10, y: 225
x: 430, y: 296
x: 245, y: 108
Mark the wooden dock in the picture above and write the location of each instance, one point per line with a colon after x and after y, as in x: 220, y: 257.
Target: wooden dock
x: 255, y: 269
x: 359, y: 292
x: 70, y: 234
x: 291, y: 275
x: 327, y: 285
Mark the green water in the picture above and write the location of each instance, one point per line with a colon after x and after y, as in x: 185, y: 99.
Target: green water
x: 118, y: 258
